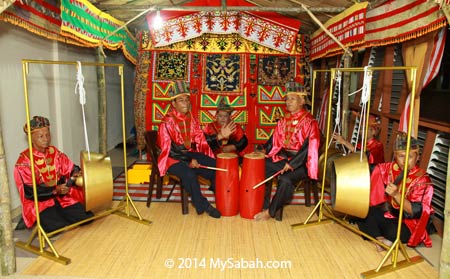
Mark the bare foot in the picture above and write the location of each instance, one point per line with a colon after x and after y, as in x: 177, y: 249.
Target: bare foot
x: 379, y: 248
x: 384, y: 241
x: 262, y: 216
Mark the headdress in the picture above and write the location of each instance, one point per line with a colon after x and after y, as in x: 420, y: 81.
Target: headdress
x: 37, y: 122
x: 374, y: 122
x: 223, y: 106
x: 298, y: 89
x: 178, y: 88
x: 401, y: 140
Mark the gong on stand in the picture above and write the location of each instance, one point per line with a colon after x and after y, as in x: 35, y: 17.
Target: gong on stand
x: 344, y: 173
x: 97, y: 180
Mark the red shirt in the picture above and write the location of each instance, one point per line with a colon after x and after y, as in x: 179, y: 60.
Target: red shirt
x: 290, y: 134
x: 180, y: 129
x: 418, y: 188
x: 49, y: 167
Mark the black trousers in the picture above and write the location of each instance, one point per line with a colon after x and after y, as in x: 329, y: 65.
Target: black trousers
x: 56, y: 217
x: 375, y: 225
x: 189, y: 180
x: 285, y: 187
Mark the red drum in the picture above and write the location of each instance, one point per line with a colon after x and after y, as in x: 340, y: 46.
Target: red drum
x: 227, y: 184
x: 251, y: 200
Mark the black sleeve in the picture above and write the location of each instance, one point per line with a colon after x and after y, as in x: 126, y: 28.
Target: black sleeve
x: 416, y: 211
x: 176, y: 152
x: 70, y: 181
x: 43, y: 192
x: 241, y: 144
x: 300, y: 157
x: 213, y: 142
x: 268, y: 145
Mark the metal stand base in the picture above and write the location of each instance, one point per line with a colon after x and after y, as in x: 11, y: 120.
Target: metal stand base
x: 392, y: 267
x: 44, y: 238
x: 392, y: 250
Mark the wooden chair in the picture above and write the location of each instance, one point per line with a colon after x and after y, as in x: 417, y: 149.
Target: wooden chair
x: 308, y: 185
x: 155, y: 176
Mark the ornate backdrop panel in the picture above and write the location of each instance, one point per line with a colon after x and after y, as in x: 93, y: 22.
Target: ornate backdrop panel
x: 170, y: 65
x: 223, y: 74
x: 219, y: 68
x: 270, y: 108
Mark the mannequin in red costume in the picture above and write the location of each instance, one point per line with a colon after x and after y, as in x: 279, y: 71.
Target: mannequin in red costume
x: 375, y: 149
x: 293, y: 151
x: 59, y: 200
x: 385, y: 197
x: 236, y: 142
x: 184, y: 148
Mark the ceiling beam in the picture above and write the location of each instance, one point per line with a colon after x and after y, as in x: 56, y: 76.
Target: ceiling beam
x: 140, y: 8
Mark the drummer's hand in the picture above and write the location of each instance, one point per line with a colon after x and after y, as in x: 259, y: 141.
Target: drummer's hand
x: 62, y: 189
x: 338, y: 138
x: 227, y: 130
x: 286, y: 168
x: 229, y: 148
x: 194, y: 164
x: 391, y: 190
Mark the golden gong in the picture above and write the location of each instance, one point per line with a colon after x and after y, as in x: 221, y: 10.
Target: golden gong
x: 97, y: 179
x: 350, y: 185
x: 333, y: 154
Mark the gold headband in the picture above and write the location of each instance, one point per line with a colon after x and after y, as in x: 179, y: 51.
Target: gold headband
x: 181, y: 94
x: 298, y: 93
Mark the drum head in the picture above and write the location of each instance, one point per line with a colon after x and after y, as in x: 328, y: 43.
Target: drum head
x: 227, y: 155
x: 254, y: 155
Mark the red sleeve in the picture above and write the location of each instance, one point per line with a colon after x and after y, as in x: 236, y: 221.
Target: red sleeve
x: 313, y: 151
x: 377, y: 188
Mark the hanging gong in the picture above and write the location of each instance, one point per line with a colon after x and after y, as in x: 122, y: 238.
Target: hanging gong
x: 97, y: 180
x: 350, y: 185
x: 332, y: 154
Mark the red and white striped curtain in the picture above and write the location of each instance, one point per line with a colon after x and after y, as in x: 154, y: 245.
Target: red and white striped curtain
x: 426, y: 54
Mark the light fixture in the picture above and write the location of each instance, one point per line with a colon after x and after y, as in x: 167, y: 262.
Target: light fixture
x: 157, y: 21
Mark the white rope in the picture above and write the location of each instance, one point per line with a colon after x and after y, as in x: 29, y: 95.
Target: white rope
x: 364, y: 99
x: 79, y: 88
x: 337, y: 126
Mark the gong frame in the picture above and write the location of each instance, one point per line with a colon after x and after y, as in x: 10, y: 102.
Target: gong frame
x: 324, y: 210
x: 123, y: 209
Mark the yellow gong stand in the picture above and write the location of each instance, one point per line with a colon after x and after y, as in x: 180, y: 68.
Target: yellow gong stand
x: 96, y: 179
x: 325, y: 210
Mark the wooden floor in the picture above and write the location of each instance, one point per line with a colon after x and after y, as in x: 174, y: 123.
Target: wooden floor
x: 193, y: 246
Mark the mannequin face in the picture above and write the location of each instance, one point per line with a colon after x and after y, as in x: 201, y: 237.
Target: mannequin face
x: 40, y: 139
x: 182, y: 104
x: 400, y: 158
x: 294, y: 103
x: 223, y: 118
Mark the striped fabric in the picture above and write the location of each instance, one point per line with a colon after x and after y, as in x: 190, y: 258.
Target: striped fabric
x: 138, y: 192
x: 401, y: 20
x: 82, y: 21
x: 432, y: 71
x: 347, y: 27
x: 436, y: 56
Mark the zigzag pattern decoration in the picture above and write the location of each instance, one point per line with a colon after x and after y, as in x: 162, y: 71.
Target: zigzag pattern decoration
x: 270, y: 118
x: 160, y: 92
x: 158, y: 111
x: 261, y: 134
x: 212, y: 101
x: 208, y: 116
x: 273, y: 96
